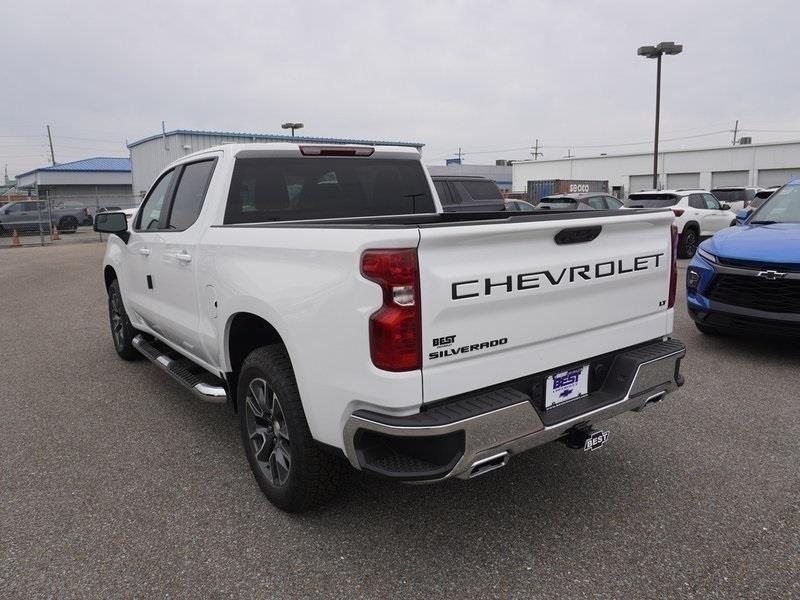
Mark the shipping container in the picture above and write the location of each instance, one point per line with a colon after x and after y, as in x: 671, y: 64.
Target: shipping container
x: 547, y: 187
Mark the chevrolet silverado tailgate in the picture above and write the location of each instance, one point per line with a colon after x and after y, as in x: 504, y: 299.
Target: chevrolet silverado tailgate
x: 507, y: 299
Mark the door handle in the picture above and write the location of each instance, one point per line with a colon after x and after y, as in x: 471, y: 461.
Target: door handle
x: 184, y: 257
x: 144, y: 251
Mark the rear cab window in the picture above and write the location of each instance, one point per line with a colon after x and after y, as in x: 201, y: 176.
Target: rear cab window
x: 265, y: 189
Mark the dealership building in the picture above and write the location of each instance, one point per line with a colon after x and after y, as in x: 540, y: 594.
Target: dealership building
x: 761, y: 165
x: 150, y: 155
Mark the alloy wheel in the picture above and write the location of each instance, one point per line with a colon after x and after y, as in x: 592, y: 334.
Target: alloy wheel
x: 117, y: 321
x: 267, y: 432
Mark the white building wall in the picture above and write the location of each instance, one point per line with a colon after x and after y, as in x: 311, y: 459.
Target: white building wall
x: 705, y: 162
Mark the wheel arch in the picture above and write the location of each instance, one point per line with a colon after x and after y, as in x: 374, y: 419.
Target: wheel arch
x: 244, y: 332
x: 691, y: 225
x: 109, y: 275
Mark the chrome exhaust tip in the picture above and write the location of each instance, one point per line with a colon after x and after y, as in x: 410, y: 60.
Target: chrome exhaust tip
x: 490, y: 463
x: 654, y: 399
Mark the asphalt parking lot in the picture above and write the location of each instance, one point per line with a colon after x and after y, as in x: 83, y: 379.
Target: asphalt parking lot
x: 115, y: 482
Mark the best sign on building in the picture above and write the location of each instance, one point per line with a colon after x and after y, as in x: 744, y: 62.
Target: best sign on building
x: 760, y: 165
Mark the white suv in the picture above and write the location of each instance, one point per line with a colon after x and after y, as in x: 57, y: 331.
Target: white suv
x: 698, y: 214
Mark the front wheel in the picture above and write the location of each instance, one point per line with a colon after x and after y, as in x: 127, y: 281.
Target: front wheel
x: 688, y: 243
x: 293, y: 472
x: 122, y: 331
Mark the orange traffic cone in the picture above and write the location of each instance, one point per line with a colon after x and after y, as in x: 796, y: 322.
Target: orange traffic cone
x: 15, y: 240
x: 56, y: 236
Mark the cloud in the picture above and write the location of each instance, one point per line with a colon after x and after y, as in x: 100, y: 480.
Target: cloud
x: 479, y: 75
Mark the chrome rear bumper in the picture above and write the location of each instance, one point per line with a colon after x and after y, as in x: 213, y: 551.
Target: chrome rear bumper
x: 480, y: 433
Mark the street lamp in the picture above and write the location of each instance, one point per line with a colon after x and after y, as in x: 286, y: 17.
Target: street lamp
x: 292, y: 126
x: 656, y: 52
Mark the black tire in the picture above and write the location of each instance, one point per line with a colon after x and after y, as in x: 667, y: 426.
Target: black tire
x: 122, y: 331
x: 706, y: 330
x: 279, y: 435
x: 733, y: 223
x: 689, y: 241
x: 68, y: 225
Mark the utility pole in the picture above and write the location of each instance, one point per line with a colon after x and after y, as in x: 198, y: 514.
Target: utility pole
x: 52, y: 154
x: 460, y: 155
x: 735, y: 131
x: 535, y: 151
x: 569, y: 153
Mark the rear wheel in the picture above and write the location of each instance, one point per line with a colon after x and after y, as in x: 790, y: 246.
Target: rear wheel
x: 122, y: 331
x: 68, y: 225
x: 688, y: 243
x: 293, y: 472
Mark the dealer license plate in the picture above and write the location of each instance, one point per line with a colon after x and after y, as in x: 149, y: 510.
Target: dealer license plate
x: 565, y: 386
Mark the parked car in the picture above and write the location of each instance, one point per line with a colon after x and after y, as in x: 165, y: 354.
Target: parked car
x: 582, y: 201
x: 82, y: 212
x: 747, y: 279
x: 735, y: 197
x: 459, y: 193
x: 519, y: 206
x: 30, y: 214
x: 109, y: 209
x: 698, y: 214
x: 324, y: 294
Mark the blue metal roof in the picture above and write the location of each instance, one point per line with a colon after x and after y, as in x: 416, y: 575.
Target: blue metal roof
x: 277, y: 137
x: 97, y: 164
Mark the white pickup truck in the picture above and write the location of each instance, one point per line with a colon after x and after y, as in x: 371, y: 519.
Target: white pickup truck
x: 322, y: 292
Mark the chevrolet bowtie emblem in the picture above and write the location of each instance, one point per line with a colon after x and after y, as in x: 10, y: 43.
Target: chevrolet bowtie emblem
x: 771, y: 275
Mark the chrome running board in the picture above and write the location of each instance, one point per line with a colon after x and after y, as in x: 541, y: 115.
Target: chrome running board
x: 202, y: 384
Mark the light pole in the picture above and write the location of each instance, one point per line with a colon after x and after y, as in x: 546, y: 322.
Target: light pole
x: 292, y: 126
x: 656, y: 52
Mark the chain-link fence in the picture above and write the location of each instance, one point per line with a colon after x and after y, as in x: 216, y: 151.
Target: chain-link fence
x: 57, y: 219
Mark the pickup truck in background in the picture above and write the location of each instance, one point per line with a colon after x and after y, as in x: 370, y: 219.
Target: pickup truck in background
x: 27, y: 215
x: 324, y: 294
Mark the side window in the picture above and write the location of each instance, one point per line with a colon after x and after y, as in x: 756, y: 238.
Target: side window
x: 696, y: 201
x: 150, y: 212
x: 711, y: 202
x: 613, y: 202
x: 457, y: 195
x: 189, y: 195
x: 30, y: 207
x: 444, y: 192
x: 596, y: 202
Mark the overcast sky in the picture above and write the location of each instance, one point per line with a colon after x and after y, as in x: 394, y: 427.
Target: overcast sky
x: 490, y: 77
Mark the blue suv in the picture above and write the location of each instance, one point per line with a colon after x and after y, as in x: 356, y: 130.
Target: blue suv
x: 747, y: 278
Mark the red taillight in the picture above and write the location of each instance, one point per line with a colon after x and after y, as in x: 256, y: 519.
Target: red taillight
x: 678, y: 211
x: 395, y: 330
x: 673, y: 275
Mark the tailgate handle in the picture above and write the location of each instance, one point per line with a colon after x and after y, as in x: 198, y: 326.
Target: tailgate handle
x: 577, y: 235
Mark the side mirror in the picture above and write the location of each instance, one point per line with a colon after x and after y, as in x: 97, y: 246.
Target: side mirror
x: 112, y: 222
x: 743, y: 215
x: 725, y: 206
